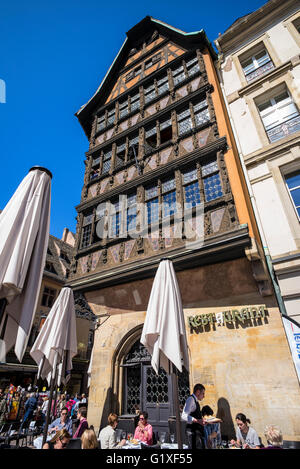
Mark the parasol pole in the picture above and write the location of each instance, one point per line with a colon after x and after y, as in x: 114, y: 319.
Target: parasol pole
x: 3, y: 304
x: 52, y: 384
x: 176, y: 404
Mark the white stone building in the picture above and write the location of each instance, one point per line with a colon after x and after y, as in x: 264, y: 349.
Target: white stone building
x: 259, y: 69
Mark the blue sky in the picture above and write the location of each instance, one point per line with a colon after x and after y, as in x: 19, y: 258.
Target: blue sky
x: 54, y: 55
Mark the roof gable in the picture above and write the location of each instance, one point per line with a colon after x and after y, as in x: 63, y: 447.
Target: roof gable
x: 141, y: 44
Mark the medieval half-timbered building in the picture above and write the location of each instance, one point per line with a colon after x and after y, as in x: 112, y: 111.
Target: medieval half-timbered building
x: 163, y: 180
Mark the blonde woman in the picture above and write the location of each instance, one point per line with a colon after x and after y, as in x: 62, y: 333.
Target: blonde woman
x: 89, y: 440
x: 59, y: 441
x: 274, y: 437
x: 107, y: 436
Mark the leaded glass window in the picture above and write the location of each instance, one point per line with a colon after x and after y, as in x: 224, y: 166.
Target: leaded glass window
x: 131, y: 212
x: 191, y: 188
x: 149, y: 93
x: 101, y: 122
x: 111, y: 116
x: 178, y: 75
x: 211, y: 181
x: 192, y: 66
x: 123, y: 109
x: 135, y: 102
x: 133, y: 401
x: 133, y: 145
x: 86, y: 230
x: 184, y: 121
x: 115, y: 219
x: 169, y: 197
x: 143, y: 386
x: 201, y: 113
x: 106, y: 161
x: 151, y: 198
x: 120, y: 153
x: 163, y: 85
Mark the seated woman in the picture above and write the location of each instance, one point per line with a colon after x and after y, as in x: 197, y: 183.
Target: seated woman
x: 247, y: 437
x: 107, y: 437
x: 89, y: 440
x: 144, y: 431
x: 274, y: 437
x: 212, y: 429
x: 59, y: 441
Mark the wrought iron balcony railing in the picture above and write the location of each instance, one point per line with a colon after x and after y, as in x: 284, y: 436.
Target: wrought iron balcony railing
x: 265, y: 68
x: 286, y: 128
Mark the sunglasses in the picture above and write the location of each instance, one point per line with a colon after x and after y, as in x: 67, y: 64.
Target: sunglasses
x: 142, y: 418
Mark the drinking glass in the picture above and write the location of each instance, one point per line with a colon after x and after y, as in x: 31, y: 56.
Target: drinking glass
x: 123, y: 435
x: 162, y: 437
x: 172, y: 438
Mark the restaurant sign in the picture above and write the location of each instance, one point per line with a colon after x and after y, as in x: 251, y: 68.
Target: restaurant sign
x: 244, y: 315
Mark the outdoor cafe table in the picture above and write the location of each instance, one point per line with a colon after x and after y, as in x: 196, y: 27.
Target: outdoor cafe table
x: 129, y: 445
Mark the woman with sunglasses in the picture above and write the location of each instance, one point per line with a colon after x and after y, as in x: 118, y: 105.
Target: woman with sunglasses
x: 144, y: 431
x: 59, y: 441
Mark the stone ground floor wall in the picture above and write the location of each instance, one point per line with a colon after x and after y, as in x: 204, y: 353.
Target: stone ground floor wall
x: 237, y: 346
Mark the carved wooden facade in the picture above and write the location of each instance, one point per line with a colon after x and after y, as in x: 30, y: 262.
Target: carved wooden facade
x: 154, y: 138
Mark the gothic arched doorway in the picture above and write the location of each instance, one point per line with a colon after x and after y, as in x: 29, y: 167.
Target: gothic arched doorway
x: 144, y: 390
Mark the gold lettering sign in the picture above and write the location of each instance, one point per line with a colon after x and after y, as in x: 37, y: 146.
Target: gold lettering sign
x: 244, y: 315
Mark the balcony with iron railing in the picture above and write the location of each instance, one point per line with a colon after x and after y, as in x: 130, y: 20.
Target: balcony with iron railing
x: 260, y: 71
x: 284, y: 129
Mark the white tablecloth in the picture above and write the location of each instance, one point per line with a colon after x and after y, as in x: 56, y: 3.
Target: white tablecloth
x: 172, y: 446
x: 37, y: 443
x: 131, y: 446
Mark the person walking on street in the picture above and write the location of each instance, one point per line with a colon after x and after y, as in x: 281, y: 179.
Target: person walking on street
x: 192, y: 415
x: 30, y: 406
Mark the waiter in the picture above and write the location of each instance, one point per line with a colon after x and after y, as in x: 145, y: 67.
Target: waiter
x: 193, y: 416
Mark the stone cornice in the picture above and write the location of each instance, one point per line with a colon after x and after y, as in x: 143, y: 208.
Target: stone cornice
x: 243, y: 28
x: 273, y: 150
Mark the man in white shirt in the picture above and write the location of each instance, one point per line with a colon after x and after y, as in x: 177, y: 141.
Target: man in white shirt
x: 193, y: 416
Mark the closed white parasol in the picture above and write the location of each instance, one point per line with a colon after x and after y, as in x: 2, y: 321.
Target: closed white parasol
x: 164, y: 333
x: 24, y: 234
